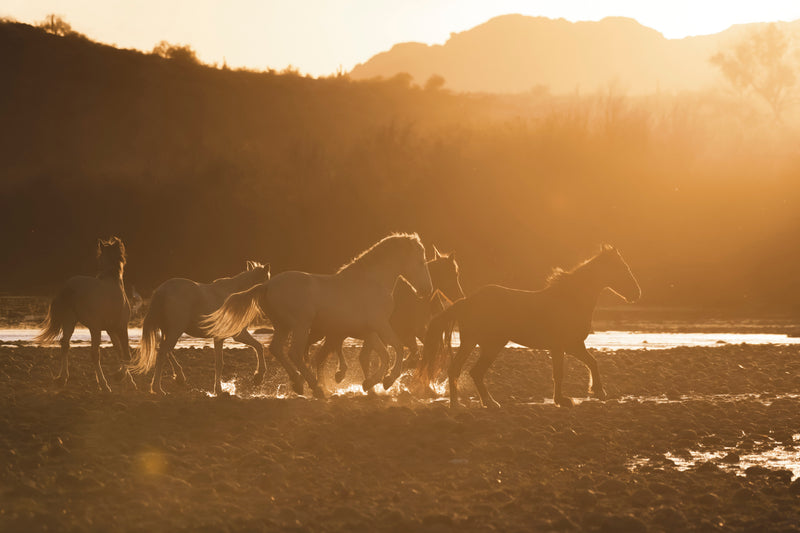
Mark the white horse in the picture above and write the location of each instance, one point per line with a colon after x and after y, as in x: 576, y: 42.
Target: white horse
x: 177, y: 307
x: 356, y: 301
x: 99, y: 303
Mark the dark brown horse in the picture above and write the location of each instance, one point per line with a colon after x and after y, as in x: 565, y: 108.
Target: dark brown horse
x: 99, y: 303
x: 409, y: 319
x: 557, y: 318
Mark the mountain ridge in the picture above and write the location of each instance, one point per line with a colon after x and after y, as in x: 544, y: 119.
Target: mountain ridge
x: 518, y: 53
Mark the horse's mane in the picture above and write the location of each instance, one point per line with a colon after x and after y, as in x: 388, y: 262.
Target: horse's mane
x: 111, y: 256
x: 558, y: 275
x: 379, y: 251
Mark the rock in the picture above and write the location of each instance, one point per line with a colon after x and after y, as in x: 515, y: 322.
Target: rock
x: 756, y: 471
x: 622, y: 524
x: 612, y: 487
x: 732, y: 458
x: 669, y: 518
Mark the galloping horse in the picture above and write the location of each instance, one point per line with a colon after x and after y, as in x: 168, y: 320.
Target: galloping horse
x: 557, y: 318
x: 356, y: 301
x: 99, y: 303
x: 177, y: 307
x: 409, y: 318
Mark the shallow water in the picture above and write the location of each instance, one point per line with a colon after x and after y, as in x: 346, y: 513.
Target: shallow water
x: 601, y: 340
x: 776, y: 458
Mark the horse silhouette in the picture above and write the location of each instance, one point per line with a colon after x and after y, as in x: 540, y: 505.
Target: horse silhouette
x: 99, y: 303
x: 409, y: 319
x: 356, y: 301
x: 557, y: 318
x: 176, y: 308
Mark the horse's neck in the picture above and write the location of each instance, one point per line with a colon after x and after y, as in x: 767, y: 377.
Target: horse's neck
x: 384, y: 275
x: 584, y: 286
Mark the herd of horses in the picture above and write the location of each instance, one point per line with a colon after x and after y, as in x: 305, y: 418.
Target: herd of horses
x: 388, y: 295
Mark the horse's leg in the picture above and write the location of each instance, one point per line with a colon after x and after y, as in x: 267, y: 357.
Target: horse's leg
x: 389, y: 337
x: 595, y: 383
x: 454, y: 370
x: 119, y: 339
x: 98, y: 371
x: 558, y: 378
x: 320, y: 356
x: 363, y: 358
x: 341, y: 371
x: 67, y: 327
x: 489, y: 352
x: 218, y: 362
x: 168, y: 341
x: 276, y: 347
x: 296, y: 352
x: 261, y: 364
x: 177, y: 369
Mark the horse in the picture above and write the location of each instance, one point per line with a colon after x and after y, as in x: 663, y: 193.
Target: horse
x: 176, y: 308
x: 409, y: 318
x: 355, y: 301
x: 557, y: 318
x: 99, y: 303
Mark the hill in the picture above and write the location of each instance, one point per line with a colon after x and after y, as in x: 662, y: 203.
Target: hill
x: 516, y: 53
x: 200, y: 168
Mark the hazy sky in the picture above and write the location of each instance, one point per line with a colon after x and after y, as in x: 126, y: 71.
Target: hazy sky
x: 319, y: 36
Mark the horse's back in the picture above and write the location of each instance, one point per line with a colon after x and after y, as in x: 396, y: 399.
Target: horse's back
x: 97, y: 303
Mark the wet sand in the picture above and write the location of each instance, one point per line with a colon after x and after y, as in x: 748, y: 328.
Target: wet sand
x: 75, y: 459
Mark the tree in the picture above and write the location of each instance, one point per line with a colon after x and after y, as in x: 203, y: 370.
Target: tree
x: 183, y: 53
x: 56, y: 25
x: 434, y: 83
x: 761, y: 64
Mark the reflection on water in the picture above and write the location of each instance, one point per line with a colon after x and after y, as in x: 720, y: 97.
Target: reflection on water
x: 601, y: 340
x: 776, y: 458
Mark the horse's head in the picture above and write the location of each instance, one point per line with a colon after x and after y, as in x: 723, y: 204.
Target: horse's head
x: 617, y: 274
x: 111, y: 255
x: 416, y: 269
x: 259, y: 272
x: 445, y: 275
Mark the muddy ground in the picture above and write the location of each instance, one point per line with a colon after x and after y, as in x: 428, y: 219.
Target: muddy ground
x: 75, y: 459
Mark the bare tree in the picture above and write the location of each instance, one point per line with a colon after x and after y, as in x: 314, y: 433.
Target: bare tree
x: 762, y: 64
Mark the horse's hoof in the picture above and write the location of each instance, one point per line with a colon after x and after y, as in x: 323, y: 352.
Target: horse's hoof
x: 180, y: 380
x: 339, y: 376
x: 600, y: 394
x: 298, y: 386
x: 367, y: 385
x: 319, y: 393
x: 456, y: 405
x: 60, y: 382
x: 564, y: 401
x: 222, y: 394
x: 105, y: 388
x: 388, y: 382
x: 258, y: 377
x: 491, y: 404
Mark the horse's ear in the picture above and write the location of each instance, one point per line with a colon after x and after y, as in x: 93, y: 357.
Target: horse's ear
x: 452, y: 256
x: 250, y: 265
x: 267, y: 269
x: 436, y: 253
x: 607, y: 248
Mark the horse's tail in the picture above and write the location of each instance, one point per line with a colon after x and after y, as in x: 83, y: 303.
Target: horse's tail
x: 52, y: 324
x: 238, y: 311
x: 436, y: 347
x: 145, y: 357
